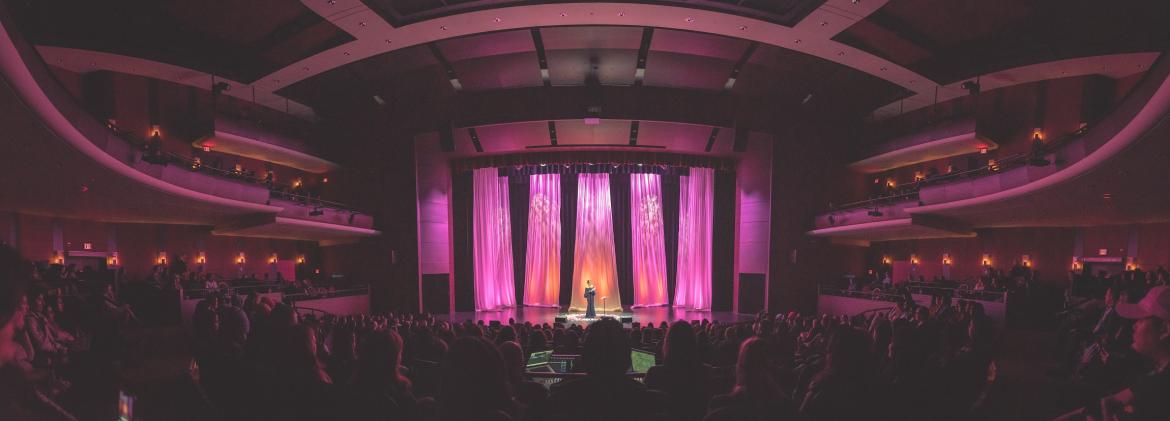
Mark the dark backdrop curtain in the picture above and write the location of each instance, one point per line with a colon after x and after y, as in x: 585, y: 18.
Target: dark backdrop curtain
x: 723, y: 242
x: 518, y: 211
x: 670, y: 198
x: 461, y: 219
x: 619, y: 197
x: 568, y: 234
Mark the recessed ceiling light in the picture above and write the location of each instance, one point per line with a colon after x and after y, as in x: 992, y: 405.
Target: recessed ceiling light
x: 346, y: 53
x: 690, y: 19
x: 621, y: 14
x: 362, y: 23
x: 797, y: 41
x: 389, y: 41
x: 332, y: 2
x: 855, y: 1
x: 443, y: 27
x: 824, y: 23
x: 498, y: 20
x: 563, y: 14
x: 840, y: 53
x: 743, y: 27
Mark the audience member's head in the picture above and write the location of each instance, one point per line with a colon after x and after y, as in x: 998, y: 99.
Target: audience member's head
x: 606, y: 351
x: 680, y: 347
x: 1151, y: 333
x: 514, y: 358
x: 474, y: 381
x: 753, y: 374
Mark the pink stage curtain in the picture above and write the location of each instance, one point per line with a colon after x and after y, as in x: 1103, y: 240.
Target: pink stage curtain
x: 492, y: 230
x: 696, y: 194
x: 542, y: 272
x: 593, y: 256
x: 649, y: 252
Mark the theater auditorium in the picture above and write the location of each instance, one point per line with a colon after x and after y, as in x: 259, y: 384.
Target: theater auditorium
x: 539, y: 210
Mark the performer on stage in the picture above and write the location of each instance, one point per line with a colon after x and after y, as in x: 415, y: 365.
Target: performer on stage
x: 590, y: 292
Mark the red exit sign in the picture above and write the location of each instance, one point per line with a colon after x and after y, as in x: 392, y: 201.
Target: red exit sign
x: 87, y: 246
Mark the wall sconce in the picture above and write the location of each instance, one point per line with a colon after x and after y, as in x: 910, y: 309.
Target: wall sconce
x: 1076, y: 264
x: 201, y: 258
x: 1037, y: 135
x: 914, y: 259
x: 325, y: 180
x: 272, y: 259
x: 240, y: 259
x: 1026, y: 260
x: 891, y: 183
x: 112, y: 260
x: 300, y: 260
x: 155, y: 133
x: 992, y: 165
x: 950, y: 169
x: 919, y: 176
x: 239, y: 169
x: 196, y: 163
x: 59, y: 257
x: 296, y: 184
x: 886, y: 260
x: 1130, y: 264
x: 986, y: 260
x: 946, y: 260
x: 162, y: 258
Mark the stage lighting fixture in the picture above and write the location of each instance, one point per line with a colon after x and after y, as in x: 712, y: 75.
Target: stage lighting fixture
x: 316, y: 212
x: 972, y: 87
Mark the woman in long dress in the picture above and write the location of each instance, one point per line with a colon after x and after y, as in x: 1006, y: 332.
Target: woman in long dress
x: 590, y: 292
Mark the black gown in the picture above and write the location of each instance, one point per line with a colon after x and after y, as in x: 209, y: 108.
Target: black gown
x: 590, y: 312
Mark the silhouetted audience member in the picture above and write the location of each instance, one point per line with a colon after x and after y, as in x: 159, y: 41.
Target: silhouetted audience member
x: 683, y: 375
x: 475, y: 384
x: 606, y: 392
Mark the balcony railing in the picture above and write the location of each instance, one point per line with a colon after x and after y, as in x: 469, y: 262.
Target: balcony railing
x: 289, y: 192
x: 909, y: 192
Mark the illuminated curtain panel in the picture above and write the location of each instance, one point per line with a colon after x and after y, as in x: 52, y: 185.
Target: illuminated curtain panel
x: 542, y: 268
x: 648, y: 249
x: 696, y: 194
x: 494, y: 283
x: 593, y: 256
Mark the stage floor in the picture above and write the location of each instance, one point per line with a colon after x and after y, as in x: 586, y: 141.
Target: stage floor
x: 642, y: 315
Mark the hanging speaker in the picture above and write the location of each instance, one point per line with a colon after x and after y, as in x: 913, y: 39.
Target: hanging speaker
x: 446, y: 139
x: 741, y: 139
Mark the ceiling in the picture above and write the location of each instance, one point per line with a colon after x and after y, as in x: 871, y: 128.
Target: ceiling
x: 781, y: 12
x: 947, y: 41
x: 841, y: 58
x: 240, y: 40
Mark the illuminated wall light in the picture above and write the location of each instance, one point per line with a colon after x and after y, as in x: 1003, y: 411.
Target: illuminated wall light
x: 162, y: 258
x: 1130, y: 264
x: 950, y: 169
x: 272, y: 259
x: 300, y: 260
x: 87, y: 246
x: 112, y: 259
x: 891, y: 183
x: 240, y: 259
x: 239, y: 169
x: 919, y: 176
x: 155, y: 131
x: 1076, y: 263
x: 1026, y: 260
x: 946, y: 259
x: 325, y: 180
x: 886, y: 260
x: 296, y: 183
x: 914, y: 259
x: 992, y: 165
x: 1037, y: 135
x: 196, y: 163
x: 986, y: 260
x: 201, y: 258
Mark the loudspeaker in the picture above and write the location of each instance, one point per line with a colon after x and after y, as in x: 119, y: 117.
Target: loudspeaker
x: 436, y: 293
x: 560, y: 319
x: 751, y: 293
x: 741, y: 139
x: 446, y: 139
x: 627, y: 319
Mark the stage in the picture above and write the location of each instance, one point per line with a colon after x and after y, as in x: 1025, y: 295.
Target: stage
x: 641, y: 315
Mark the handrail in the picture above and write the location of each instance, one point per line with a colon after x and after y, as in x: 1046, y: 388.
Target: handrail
x: 274, y: 189
x: 348, y: 292
x: 909, y: 191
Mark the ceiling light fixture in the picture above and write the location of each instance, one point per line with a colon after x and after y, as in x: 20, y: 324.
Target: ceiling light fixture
x: 563, y: 14
x: 743, y: 27
x: 797, y: 41
x: 443, y: 27
x: 824, y: 23
x: 389, y: 41
x: 362, y: 23
x: 498, y: 20
x: 620, y: 14
x: 689, y: 19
